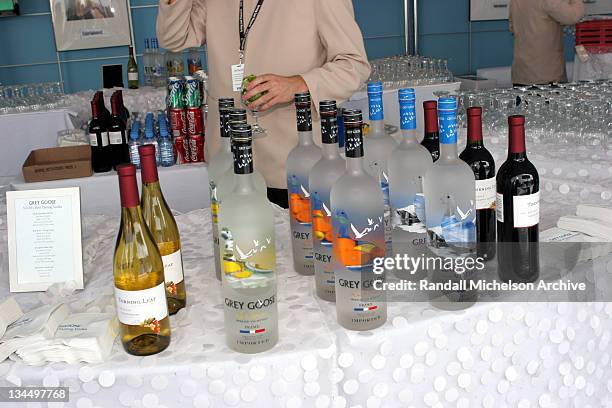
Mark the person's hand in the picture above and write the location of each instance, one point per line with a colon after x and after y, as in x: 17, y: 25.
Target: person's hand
x: 279, y: 89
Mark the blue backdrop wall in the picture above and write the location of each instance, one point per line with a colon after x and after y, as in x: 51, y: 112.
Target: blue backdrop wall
x: 28, y: 54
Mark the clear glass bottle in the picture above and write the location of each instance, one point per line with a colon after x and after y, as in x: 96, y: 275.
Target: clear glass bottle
x: 134, y: 143
x: 166, y: 147
x: 147, y: 62
x: 299, y: 163
x: 407, y: 166
x: 323, y: 176
x: 161, y: 223
x: 358, y: 212
x: 378, y: 146
x: 248, y: 256
x: 140, y: 296
x: 220, y: 163
x: 160, y: 72
x: 450, y: 212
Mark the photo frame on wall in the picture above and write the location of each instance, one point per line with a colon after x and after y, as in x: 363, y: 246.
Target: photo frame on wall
x: 484, y: 10
x: 85, y: 24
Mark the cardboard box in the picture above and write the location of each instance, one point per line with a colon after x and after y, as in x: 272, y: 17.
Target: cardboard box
x: 57, y: 163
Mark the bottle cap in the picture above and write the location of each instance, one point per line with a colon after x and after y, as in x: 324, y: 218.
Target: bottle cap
x: 407, y: 95
x: 516, y: 120
x: 238, y: 115
x: 474, y: 111
x: 128, y: 189
x: 148, y: 163
x: 241, y: 132
x: 226, y: 103
x: 148, y: 134
x: 302, y: 98
x: 447, y: 105
x: 474, y: 124
x: 327, y: 106
x: 375, y: 87
x: 352, y: 116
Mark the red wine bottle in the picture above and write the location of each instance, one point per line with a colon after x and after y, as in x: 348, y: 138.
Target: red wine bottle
x: 431, y: 139
x: 481, y: 161
x: 518, y: 210
x: 117, y: 134
x: 98, y: 140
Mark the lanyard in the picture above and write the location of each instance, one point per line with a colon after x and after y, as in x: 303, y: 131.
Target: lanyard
x: 244, y: 34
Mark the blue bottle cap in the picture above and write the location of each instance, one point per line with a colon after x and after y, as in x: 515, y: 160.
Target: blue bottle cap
x: 149, y: 134
x: 375, y: 87
x: 407, y: 95
x: 447, y: 105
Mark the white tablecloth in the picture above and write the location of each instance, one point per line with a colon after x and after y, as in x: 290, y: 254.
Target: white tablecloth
x: 598, y: 66
x: 21, y: 133
x: 490, y: 355
x: 503, y: 75
x: 185, y: 188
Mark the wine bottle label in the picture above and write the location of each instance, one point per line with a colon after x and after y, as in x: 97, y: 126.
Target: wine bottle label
x: 93, y: 139
x: 526, y: 210
x: 141, y: 307
x: 115, y: 138
x: 132, y: 76
x: 499, y: 207
x: 173, y: 270
x: 485, y: 194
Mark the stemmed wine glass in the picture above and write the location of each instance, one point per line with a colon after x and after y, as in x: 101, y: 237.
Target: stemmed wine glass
x: 258, y: 130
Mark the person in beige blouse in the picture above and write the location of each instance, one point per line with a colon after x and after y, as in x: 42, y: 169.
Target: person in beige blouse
x: 539, y: 55
x: 293, y: 46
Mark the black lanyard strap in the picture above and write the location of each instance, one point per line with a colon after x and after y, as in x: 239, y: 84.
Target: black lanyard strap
x: 244, y: 34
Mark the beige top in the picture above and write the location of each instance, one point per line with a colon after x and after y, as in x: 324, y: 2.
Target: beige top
x: 539, y: 56
x: 317, y: 39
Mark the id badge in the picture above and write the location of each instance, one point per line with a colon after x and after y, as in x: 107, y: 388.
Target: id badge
x: 237, y: 77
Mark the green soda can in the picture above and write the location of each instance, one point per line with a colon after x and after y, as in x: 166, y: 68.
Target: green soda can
x: 193, y: 97
x: 176, y: 93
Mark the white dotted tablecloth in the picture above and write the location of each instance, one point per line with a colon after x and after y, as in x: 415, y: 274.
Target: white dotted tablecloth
x: 490, y: 355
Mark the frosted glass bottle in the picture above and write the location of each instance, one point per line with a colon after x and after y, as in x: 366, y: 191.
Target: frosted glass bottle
x: 299, y: 163
x: 323, y: 176
x: 450, y: 211
x: 218, y: 165
x: 378, y: 146
x: 248, y: 256
x: 407, y: 166
x: 358, y: 211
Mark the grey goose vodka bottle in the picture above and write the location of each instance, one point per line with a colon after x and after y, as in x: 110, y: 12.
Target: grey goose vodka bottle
x: 450, y: 212
x: 358, y: 211
x: 248, y: 256
x: 407, y: 167
x: 322, y: 177
x: 299, y: 162
x: 378, y: 145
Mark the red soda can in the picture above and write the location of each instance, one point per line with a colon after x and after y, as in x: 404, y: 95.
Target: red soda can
x: 194, y: 121
x: 181, y: 149
x: 178, y: 121
x: 196, y: 148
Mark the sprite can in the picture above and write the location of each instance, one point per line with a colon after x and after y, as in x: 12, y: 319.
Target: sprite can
x: 193, y: 97
x: 176, y: 93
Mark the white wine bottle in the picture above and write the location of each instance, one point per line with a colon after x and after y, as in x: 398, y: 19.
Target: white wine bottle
x: 378, y: 146
x: 358, y: 212
x: 299, y: 163
x: 163, y: 228
x: 323, y: 176
x: 140, y: 292
x: 248, y: 256
x: 217, y: 166
x: 407, y: 166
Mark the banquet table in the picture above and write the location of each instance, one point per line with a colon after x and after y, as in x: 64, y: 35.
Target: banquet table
x: 185, y: 188
x: 535, y: 354
x: 21, y: 133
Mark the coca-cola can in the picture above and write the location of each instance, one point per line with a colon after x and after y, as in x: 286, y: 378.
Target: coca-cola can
x: 194, y: 121
x: 178, y: 121
x: 196, y: 148
x: 181, y: 149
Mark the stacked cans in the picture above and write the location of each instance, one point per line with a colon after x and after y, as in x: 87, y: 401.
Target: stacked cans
x: 185, y: 110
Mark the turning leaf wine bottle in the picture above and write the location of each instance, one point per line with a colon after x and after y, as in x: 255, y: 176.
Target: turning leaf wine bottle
x: 299, y: 163
x: 480, y: 160
x: 431, y: 139
x: 358, y: 231
x: 378, y: 146
x: 407, y: 166
x: 450, y: 212
x: 140, y: 292
x: 218, y: 165
x: 518, y: 210
x: 163, y: 228
x: 322, y: 177
x: 248, y: 256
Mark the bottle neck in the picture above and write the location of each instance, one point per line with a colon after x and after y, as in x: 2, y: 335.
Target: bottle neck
x: 516, y: 143
x: 448, y: 152
x: 354, y: 166
x: 225, y: 144
x: 375, y: 101
x: 474, y: 131
x: 431, y: 121
x: 244, y: 184
x: 148, y: 166
x: 409, y: 137
x: 305, y: 138
x: 448, y: 137
x: 377, y: 128
x: 330, y: 151
x: 150, y: 189
x: 116, y: 108
x: 304, y: 117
